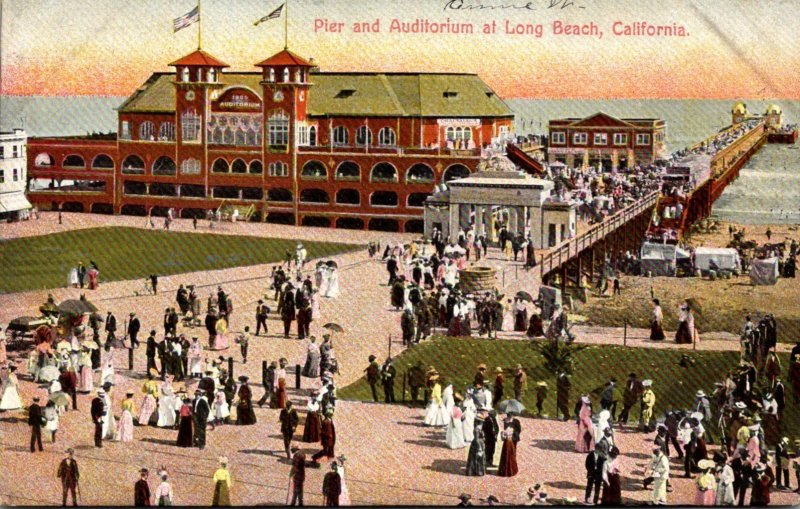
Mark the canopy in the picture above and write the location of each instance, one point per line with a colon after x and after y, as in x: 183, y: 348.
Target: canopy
x: 716, y: 258
x: 764, y: 272
x: 660, y: 259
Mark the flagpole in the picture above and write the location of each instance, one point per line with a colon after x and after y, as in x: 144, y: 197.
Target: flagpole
x: 286, y: 28
x: 199, y: 25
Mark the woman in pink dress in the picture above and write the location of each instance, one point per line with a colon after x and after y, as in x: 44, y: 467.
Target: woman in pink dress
x: 221, y: 339
x: 3, y: 355
x: 705, y: 484
x: 125, y: 426
x: 86, y: 375
x: 584, y: 441
x: 93, y: 274
x: 315, y: 304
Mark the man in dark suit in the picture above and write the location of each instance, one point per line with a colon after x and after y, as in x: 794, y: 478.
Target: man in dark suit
x: 262, y: 311
x: 150, y: 351
x: 69, y: 384
x: 298, y: 476
x: 594, y: 475
x: 111, y: 328
x: 289, y: 421
x: 201, y: 411
x: 562, y: 395
x: 163, y: 356
x: 303, y: 305
x: 81, y: 273
x: 133, y: 330
x: 141, y: 490
x: 391, y: 268
x: 332, y: 487
x: 288, y: 310
x: 388, y: 374
x: 630, y: 395
x: 490, y: 431
x: 207, y: 385
x: 98, y: 412
x: 35, y: 421
x: 69, y: 475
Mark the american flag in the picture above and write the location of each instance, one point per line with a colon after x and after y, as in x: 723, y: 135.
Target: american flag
x: 272, y: 15
x: 187, y: 19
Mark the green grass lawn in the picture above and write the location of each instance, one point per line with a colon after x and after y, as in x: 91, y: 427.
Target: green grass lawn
x: 130, y: 253
x: 457, y: 359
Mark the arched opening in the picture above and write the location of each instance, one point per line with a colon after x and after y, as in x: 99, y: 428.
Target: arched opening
x: 164, y: 166
x: 348, y: 197
x: 456, y: 171
x: 166, y: 131
x: 314, y: 196
x: 256, y: 167
x: 220, y: 166
x: 350, y: 223
x: 417, y: 199
x: 314, y: 170
x: 252, y: 193
x: 102, y: 208
x: 387, y: 137
x: 321, y: 222
x: 414, y: 226
x: 239, y: 166
x: 312, y: 136
x: 103, y: 162
x: 192, y: 213
x: 133, y: 164
x: 363, y: 136
x: 225, y: 192
x: 383, y: 199
x: 383, y: 172
x: 383, y: 225
x: 193, y: 191
x: 420, y: 173
x: 44, y: 160
x: 147, y: 131
x: 73, y: 161
x: 348, y: 170
x: 133, y: 210
x: 159, y: 211
x: 134, y: 188
x: 279, y: 194
x: 72, y: 206
x: 161, y: 189
x: 280, y: 218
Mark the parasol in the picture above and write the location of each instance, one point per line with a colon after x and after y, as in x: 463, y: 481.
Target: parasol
x: 59, y: 398
x: 91, y: 345
x: 49, y: 373
x: 523, y: 295
x: 76, y: 307
x: 510, y: 406
x: 333, y: 327
x: 332, y: 264
x: 694, y: 305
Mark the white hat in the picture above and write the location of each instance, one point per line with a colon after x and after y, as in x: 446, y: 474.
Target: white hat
x: 586, y: 399
x: 700, y: 394
x: 740, y: 405
x: 604, y: 415
x: 647, y: 383
x: 697, y: 415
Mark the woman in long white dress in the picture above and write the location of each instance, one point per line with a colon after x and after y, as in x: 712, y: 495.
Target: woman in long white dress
x: 195, y: 357
x: 9, y: 399
x: 470, y: 411
x: 448, y: 401
x: 315, y: 305
x: 344, y: 496
x: 602, y: 424
x: 109, y: 422
x: 72, y: 277
x: 333, y: 283
x: 454, y: 436
x: 108, y: 374
x: 435, y: 414
x: 321, y: 278
x: 168, y: 404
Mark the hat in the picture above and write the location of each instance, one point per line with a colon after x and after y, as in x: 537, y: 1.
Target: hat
x: 519, y: 366
x: 143, y: 471
x: 223, y: 460
x: 719, y: 457
x: 632, y: 375
x: 492, y: 498
x: 294, y: 448
x: 372, y: 358
x: 541, y: 384
x: 700, y: 394
x: 464, y: 497
x: 36, y: 398
x: 244, y: 379
x: 740, y: 405
x: 647, y: 383
x: 585, y: 399
x: 705, y: 464
x: 531, y: 491
x: 697, y: 415
x: 761, y: 467
x: 498, y: 369
x: 132, y: 313
x: 482, y: 366
x: 129, y: 393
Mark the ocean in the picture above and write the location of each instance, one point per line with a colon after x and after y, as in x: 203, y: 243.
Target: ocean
x: 769, y: 183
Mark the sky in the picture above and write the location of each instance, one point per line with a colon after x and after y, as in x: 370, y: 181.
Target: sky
x: 734, y: 48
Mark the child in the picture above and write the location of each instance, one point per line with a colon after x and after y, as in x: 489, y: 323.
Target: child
x: 51, y: 415
x: 221, y: 411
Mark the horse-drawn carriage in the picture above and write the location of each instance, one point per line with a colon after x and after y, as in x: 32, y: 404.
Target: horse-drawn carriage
x: 23, y: 328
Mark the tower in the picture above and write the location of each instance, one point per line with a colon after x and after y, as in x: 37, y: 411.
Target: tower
x: 774, y: 117
x: 285, y: 89
x: 738, y: 113
x: 197, y: 83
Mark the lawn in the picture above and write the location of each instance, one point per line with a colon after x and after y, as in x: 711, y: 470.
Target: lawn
x: 456, y: 359
x: 130, y: 253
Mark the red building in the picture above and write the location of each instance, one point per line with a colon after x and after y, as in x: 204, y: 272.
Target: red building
x: 601, y: 139
x: 293, y: 144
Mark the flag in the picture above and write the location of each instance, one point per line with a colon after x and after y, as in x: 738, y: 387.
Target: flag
x: 187, y: 19
x: 272, y: 15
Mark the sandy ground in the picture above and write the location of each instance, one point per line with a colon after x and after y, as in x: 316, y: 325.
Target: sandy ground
x: 392, y: 458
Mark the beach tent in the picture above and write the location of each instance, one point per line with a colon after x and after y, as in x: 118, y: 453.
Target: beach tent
x: 722, y: 258
x: 661, y: 259
x: 764, y: 272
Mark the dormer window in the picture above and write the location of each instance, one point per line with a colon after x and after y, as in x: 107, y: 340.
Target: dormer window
x: 185, y: 75
x: 345, y: 93
x: 449, y: 95
x: 272, y: 74
x: 286, y: 75
x: 212, y: 75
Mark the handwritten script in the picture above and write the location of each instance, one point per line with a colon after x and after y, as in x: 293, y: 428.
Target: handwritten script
x: 469, y: 5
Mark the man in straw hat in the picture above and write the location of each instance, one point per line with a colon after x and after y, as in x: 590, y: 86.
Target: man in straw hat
x: 659, y: 471
x: 141, y: 490
x: 416, y: 381
x: 200, y: 415
x: 520, y: 383
x: 762, y: 482
x: 69, y: 475
x: 782, y: 463
x: 648, y: 403
x: 373, y: 375
x: 35, y: 421
x: 476, y: 459
x: 98, y: 412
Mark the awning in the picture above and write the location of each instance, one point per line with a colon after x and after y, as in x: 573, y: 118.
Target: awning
x: 12, y: 202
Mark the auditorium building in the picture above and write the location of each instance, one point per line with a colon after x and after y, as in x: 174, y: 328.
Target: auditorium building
x: 286, y: 144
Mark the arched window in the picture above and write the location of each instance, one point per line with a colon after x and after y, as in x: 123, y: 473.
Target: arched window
x: 278, y: 169
x: 417, y: 200
x: 450, y: 133
x: 348, y: 170
x: 227, y: 136
x: 348, y: 197
x: 363, y: 136
x: 420, y: 173
x: 73, y: 161
x: 256, y: 168
x: 386, y: 137
x: 241, y: 137
x: 456, y: 171
x: 383, y: 172
x: 212, y: 75
x: 166, y: 132
x: 133, y: 164
x: 251, y: 137
x: 272, y: 74
x: 286, y: 75
x: 44, y: 159
x: 340, y: 135
x: 190, y: 125
x: 314, y: 196
x: 164, y: 166
x: 185, y: 75
x: 220, y: 166
x: 103, y: 162
x: 217, y: 136
x: 314, y: 170
x: 383, y: 199
x: 279, y: 194
x: 190, y: 166
x: 278, y: 128
x: 312, y: 136
x: 147, y: 131
x: 239, y: 166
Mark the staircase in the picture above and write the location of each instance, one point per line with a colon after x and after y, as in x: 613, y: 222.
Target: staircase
x: 524, y: 161
x: 245, y: 211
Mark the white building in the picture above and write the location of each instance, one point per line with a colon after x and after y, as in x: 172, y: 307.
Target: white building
x: 13, y: 165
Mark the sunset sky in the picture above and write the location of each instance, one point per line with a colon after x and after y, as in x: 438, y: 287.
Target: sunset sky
x: 735, y: 49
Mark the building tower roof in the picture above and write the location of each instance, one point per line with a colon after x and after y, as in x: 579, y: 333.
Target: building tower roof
x: 739, y: 108
x: 285, y: 57
x: 773, y: 108
x: 199, y: 58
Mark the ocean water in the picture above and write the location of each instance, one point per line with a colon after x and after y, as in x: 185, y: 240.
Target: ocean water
x: 768, y: 184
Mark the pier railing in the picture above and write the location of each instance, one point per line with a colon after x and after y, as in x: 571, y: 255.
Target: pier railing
x: 570, y: 248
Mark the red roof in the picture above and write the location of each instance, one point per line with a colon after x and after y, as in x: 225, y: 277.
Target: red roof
x: 199, y: 58
x: 283, y: 58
